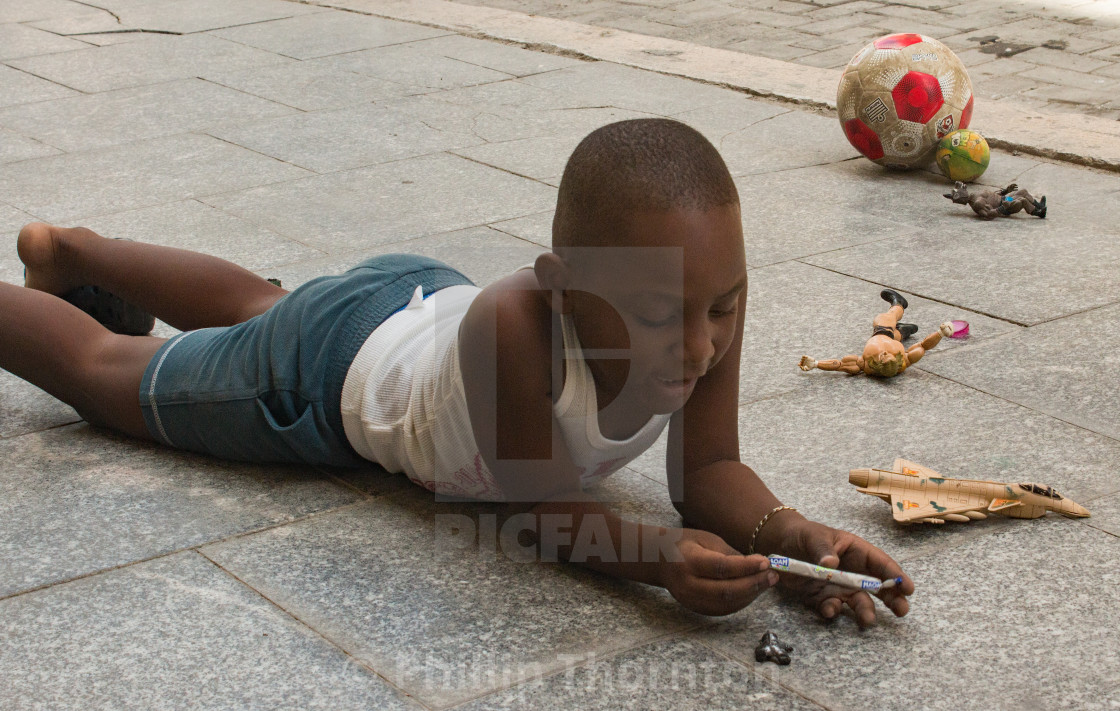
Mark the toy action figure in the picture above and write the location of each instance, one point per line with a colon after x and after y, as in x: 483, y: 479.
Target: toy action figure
x: 990, y: 204
x: 884, y: 354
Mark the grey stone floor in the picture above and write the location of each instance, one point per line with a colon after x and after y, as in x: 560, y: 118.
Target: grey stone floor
x: 297, y: 140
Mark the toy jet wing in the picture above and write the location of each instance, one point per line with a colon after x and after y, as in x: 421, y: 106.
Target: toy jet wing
x: 907, y: 509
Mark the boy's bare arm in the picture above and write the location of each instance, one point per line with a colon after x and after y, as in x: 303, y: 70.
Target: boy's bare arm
x: 511, y: 411
x: 698, y: 568
x: 718, y: 494
x: 715, y: 492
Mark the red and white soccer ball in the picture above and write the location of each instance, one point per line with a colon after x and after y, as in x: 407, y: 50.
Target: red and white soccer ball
x: 900, y: 95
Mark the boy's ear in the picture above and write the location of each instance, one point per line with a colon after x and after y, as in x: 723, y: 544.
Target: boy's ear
x: 555, y: 277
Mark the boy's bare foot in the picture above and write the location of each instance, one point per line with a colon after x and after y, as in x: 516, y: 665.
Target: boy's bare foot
x: 43, y: 249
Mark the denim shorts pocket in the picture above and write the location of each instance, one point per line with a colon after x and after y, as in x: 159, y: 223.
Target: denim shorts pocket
x: 283, y: 409
x: 299, y: 431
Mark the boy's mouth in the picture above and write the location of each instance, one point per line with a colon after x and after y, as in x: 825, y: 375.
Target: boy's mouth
x: 681, y: 386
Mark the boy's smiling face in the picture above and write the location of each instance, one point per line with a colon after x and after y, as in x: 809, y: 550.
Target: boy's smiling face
x: 671, y: 297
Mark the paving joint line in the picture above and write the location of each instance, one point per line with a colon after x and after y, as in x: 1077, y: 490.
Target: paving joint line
x: 184, y: 549
x: 1086, y: 310
x: 759, y: 673
x: 914, y: 293
x: 587, y: 660
x: 1028, y: 408
x: 315, y: 631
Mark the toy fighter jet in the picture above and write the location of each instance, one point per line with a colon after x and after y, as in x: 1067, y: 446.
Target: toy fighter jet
x: 918, y: 494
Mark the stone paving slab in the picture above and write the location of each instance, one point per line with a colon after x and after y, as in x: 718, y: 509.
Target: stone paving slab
x: 325, y: 33
x: 541, y: 157
x: 174, y: 633
x: 946, y: 426
x: 1069, y: 184
x: 27, y: 409
x: 18, y: 40
x: 14, y: 147
x: 351, y: 210
x: 775, y: 207
x: 506, y: 58
x: 735, y: 112
x: 445, y: 632
x: 512, y: 110
x: 415, y: 66
x: 1065, y: 368
x: 951, y: 428
x: 1106, y: 514
x: 111, y: 118
x: 190, y: 224
x: 627, y: 88
x: 151, y: 60
x: 11, y: 220
x: 535, y: 228
x: 328, y: 141
x: 66, y: 188
x: 764, y: 146
x: 77, y: 501
x: 1067, y: 270
x: 32, y: 10
x: 1055, y: 585
x: 672, y: 674
x: 18, y: 87
x: 311, y: 85
x: 172, y: 16
x: 1069, y: 266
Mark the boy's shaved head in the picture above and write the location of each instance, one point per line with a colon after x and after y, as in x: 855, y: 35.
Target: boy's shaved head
x: 640, y: 165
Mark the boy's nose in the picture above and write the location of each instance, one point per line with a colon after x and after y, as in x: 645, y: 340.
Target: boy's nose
x: 699, y: 349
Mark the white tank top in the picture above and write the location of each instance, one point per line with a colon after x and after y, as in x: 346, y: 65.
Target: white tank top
x: 404, y: 407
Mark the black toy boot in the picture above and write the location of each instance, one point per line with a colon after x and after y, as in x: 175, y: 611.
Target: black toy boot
x: 893, y: 298
x: 1040, y: 208
x: 906, y: 329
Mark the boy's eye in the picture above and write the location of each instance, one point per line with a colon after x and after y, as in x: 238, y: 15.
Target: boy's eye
x: 724, y: 310
x: 655, y: 321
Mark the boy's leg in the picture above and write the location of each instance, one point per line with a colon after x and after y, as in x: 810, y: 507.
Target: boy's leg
x: 59, y: 348
x: 185, y: 289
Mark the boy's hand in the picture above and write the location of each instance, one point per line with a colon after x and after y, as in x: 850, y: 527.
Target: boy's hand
x: 713, y: 578
x: 819, y: 544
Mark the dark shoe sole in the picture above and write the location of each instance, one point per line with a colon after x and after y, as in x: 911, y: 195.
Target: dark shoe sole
x: 894, y: 298
x: 112, y: 312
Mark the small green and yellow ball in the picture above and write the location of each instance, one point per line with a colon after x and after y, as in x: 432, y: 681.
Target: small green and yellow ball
x: 963, y: 155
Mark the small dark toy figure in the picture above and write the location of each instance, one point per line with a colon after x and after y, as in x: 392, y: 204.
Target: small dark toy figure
x: 884, y: 354
x: 769, y: 649
x: 990, y: 204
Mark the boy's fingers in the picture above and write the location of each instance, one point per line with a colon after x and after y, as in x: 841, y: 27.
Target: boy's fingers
x: 734, y: 594
x: 720, y: 566
x: 829, y: 607
x: 897, y: 604
x: 880, y: 565
x: 863, y: 607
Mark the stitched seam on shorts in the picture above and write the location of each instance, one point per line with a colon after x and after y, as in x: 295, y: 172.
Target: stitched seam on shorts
x: 152, y: 389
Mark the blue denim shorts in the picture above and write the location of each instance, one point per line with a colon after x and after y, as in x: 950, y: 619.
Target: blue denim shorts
x: 270, y: 389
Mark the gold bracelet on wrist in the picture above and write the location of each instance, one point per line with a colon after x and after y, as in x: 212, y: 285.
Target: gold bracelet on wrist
x: 754, y: 536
